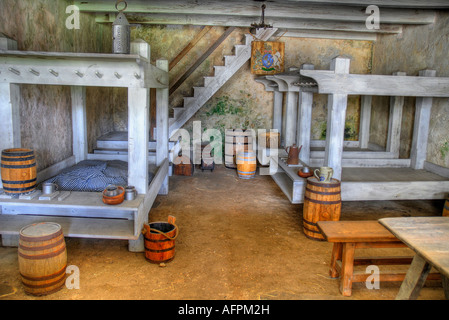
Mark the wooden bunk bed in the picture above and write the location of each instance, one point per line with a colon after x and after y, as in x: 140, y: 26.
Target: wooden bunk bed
x: 83, y: 214
x: 366, y: 171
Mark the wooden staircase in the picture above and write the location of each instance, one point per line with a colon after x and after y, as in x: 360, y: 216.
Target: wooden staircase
x: 213, y: 83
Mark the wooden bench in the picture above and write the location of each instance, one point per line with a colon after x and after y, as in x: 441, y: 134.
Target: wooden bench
x: 350, y: 235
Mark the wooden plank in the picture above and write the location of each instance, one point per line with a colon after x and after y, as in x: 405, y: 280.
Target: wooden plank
x: 278, y: 98
x: 162, y: 126
x: 394, y: 121
x: 252, y: 10
x: 79, y: 123
x: 380, y: 85
x: 365, y: 121
x: 429, y: 4
x: 138, y: 136
x: 72, y: 227
x: 355, y: 231
x: 414, y: 279
x: 418, y: 153
x: 201, y: 59
x: 305, y: 102
x: 328, y: 34
x: 190, y: 45
x: 326, y: 27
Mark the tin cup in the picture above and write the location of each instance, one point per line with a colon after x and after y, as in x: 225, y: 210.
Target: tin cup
x: 49, y: 187
x: 130, y: 193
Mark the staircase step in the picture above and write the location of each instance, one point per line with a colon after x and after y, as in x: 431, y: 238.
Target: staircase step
x: 229, y: 59
x: 208, y: 81
x: 240, y: 48
x: 198, y: 91
x: 219, y: 70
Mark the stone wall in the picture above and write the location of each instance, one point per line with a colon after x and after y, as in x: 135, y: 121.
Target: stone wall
x: 418, y: 48
x: 46, y: 127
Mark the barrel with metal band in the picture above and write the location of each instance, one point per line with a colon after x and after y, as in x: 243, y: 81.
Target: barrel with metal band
x: 42, y: 258
x: 18, y: 171
x: 159, y: 240
x: 322, y: 202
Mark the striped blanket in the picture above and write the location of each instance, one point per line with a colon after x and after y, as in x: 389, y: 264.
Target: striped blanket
x: 92, y: 175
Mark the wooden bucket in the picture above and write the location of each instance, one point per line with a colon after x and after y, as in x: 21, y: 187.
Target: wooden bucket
x: 18, y: 170
x: 246, y: 164
x: 42, y: 258
x: 446, y: 208
x: 322, y: 202
x: 160, y: 240
x: 235, y: 142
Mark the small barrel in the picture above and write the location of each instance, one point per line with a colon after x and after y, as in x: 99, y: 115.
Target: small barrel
x: 246, y: 164
x: 236, y: 140
x: 159, y: 241
x: 18, y: 170
x: 42, y: 258
x: 322, y: 202
x: 446, y: 208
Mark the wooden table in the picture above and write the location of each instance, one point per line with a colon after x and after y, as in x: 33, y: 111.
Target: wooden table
x: 429, y: 238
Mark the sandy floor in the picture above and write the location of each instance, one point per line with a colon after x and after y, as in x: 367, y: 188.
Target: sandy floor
x: 239, y: 239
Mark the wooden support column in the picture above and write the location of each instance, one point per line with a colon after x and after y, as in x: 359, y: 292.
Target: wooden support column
x: 304, y: 127
x: 337, y: 104
x: 395, y: 121
x: 278, y: 98
x: 423, y: 109
x: 162, y: 147
x: 9, y: 107
x: 79, y: 123
x: 365, y: 121
x: 138, y: 128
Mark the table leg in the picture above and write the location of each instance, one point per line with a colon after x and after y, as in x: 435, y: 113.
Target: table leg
x: 336, y: 255
x: 414, y: 279
x: 347, y: 269
x: 445, y: 281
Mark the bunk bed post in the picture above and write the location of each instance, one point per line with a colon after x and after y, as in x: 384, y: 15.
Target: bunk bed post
x: 337, y: 103
x: 278, y: 98
x: 304, y: 127
x: 79, y: 123
x: 162, y: 129
x: 365, y: 121
x: 418, y: 153
x: 10, y: 122
x: 394, y: 122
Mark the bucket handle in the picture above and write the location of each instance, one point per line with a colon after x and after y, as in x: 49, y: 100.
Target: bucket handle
x: 171, y: 220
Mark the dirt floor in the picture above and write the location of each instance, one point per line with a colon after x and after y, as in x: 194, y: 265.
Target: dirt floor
x: 239, y: 239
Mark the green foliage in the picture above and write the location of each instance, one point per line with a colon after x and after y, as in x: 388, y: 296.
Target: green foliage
x: 444, y: 150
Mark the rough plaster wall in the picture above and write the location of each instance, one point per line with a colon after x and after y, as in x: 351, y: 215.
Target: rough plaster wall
x: 39, y: 25
x: 418, y: 48
x: 242, y: 102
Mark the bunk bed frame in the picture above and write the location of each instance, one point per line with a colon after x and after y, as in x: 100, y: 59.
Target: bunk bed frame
x: 366, y: 171
x: 83, y: 214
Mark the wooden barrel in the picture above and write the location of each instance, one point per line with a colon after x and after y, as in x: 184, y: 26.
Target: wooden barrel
x: 246, y: 164
x: 446, y: 208
x: 160, y: 241
x: 42, y: 258
x: 18, y: 170
x: 236, y: 140
x: 322, y: 202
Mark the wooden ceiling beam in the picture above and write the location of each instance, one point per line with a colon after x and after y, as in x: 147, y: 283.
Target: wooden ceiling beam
x: 409, y: 4
x: 245, y: 22
x: 280, y: 9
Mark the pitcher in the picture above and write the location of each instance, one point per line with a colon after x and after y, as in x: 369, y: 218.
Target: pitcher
x: 293, y: 154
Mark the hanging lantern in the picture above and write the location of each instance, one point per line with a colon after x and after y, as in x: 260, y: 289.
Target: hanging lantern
x: 121, y: 34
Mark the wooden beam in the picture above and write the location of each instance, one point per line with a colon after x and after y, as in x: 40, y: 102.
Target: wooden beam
x: 252, y: 9
x: 245, y: 22
x: 324, y: 34
x: 365, y: 121
x: 79, y: 123
x: 395, y: 121
x: 162, y: 137
x: 418, y: 153
x: 201, y: 59
x: 412, y: 4
x: 380, y: 85
x: 191, y: 44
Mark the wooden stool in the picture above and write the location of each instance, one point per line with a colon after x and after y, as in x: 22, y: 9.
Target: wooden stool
x: 350, y: 235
